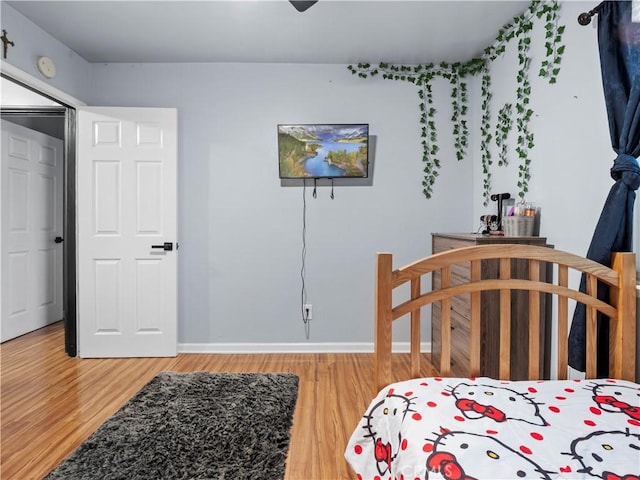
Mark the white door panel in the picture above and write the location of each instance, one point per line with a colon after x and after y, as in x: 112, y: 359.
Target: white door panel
x: 32, y: 196
x: 126, y: 204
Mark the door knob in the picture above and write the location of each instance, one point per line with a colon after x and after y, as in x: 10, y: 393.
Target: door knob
x: 58, y: 240
x: 166, y: 246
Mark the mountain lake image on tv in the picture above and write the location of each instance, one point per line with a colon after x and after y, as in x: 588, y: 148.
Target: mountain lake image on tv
x: 323, y: 150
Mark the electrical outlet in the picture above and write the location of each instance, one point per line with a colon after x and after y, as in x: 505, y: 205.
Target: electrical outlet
x: 308, y: 311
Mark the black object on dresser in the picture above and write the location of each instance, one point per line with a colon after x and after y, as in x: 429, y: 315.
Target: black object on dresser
x: 490, y: 306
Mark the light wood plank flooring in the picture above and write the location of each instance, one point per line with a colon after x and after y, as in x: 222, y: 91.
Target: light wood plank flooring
x: 50, y: 403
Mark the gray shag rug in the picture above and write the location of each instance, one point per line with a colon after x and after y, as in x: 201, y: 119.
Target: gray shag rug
x: 197, y: 425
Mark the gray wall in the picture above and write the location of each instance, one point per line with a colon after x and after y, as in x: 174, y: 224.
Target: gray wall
x: 240, y: 229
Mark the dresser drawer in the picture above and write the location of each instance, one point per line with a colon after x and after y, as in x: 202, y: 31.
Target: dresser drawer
x: 442, y: 244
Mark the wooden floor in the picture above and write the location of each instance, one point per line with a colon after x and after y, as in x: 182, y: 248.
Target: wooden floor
x: 50, y: 402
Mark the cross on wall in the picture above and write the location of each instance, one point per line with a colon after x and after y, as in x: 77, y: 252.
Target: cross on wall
x: 5, y: 43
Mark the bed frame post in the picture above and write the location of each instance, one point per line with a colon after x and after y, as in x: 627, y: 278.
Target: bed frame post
x: 622, y: 331
x: 382, y: 340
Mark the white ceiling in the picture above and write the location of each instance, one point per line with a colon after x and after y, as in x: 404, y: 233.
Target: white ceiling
x: 331, y: 31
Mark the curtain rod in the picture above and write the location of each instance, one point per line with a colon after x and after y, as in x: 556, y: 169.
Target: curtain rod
x: 585, y: 17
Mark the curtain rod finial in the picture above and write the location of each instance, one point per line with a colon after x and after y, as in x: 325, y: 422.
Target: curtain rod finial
x: 585, y: 17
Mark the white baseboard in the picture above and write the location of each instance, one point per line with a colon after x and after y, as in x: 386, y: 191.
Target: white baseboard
x: 339, y: 347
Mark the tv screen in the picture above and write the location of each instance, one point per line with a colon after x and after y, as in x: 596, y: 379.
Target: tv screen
x: 323, y: 150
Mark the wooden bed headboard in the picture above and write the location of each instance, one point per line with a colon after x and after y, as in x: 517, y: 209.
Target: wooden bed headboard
x: 620, y: 309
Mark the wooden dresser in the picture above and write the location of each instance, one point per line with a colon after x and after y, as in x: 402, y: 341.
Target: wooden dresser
x: 489, y: 347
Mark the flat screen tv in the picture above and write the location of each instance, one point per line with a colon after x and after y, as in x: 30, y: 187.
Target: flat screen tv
x: 323, y: 150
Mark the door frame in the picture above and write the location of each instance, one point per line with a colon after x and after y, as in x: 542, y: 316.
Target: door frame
x: 69, y: 105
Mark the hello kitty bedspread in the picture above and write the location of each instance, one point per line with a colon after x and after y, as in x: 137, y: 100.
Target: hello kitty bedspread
x: 465, y: 429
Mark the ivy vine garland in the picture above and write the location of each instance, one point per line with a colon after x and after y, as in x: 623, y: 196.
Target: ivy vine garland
x: 423, y: 75
x: 485, y: 133
x: 523, y: 115
x: 503, y: 127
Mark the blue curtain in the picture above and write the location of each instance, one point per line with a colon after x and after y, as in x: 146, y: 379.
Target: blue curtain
x: 619, y: 45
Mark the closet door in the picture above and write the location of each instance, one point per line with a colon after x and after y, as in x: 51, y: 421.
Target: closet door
x: 32, y: 195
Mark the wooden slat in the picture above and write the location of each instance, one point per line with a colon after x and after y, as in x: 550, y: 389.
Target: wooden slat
x: 591, y: 360
x: 415, y: 330
x: 483, y: 252
x: 497, y: 284
x: 505, y: 321
x: 563, y: 325
x: 445, y: 324
x: 534, y: 322
x: 474, y: 322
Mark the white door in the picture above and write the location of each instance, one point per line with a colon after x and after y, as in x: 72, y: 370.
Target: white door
x: 32, y: 194
x: 126, y: 214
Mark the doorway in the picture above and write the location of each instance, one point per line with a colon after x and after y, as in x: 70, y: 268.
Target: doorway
x: 45, y: 116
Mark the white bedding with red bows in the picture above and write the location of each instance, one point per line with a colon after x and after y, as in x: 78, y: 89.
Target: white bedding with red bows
x: 465, y: 429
